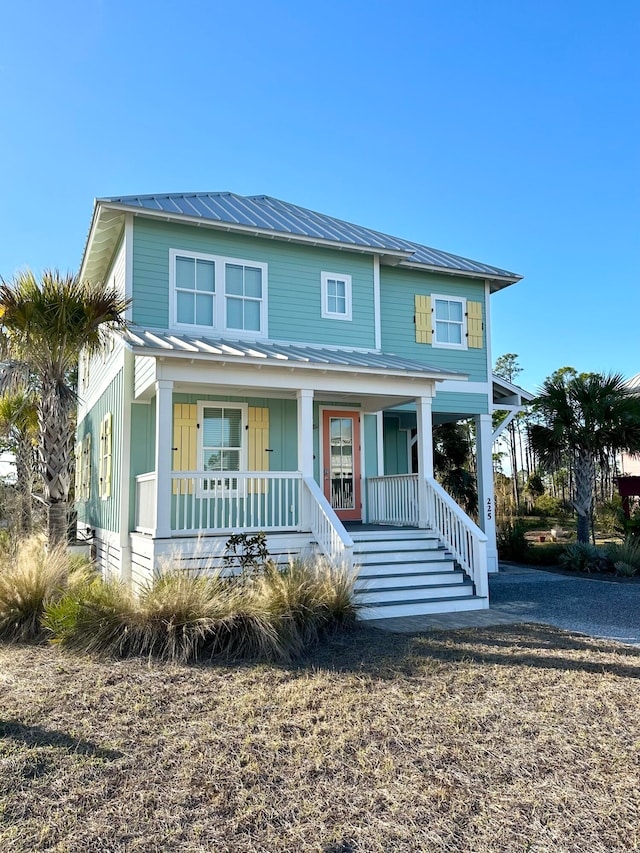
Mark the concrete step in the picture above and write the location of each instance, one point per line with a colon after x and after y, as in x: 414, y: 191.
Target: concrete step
x: 391, y: 609
x: 414, y: 593
x: 370, y: 583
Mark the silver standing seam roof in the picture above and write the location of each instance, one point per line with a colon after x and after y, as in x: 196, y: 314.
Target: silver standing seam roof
x: 281, y: 217
x: 161, y: 341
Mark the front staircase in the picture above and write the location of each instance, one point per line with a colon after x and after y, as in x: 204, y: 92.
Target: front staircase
x: 408, y: 572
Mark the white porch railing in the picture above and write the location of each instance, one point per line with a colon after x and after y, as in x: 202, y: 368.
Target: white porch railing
x: 146, y: 503
x: 333, y: 539
x: 226, y: 501
x: 393, y: 499
x: 222, y: 501
x: 461, y: 535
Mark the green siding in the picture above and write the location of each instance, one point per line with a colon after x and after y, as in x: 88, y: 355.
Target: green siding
x: 370, y: 446
x: 294, y: 281
x: 464, y: 404
x: 104, y: 514
x: 398, y: 288
x: 395, y: 447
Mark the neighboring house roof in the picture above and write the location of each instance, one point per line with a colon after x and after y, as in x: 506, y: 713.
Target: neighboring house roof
x: 634, y: 382
x: 266, y: 216
x: 148, y: 341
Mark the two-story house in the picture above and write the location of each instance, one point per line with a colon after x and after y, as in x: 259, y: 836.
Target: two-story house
x: 282, y: 373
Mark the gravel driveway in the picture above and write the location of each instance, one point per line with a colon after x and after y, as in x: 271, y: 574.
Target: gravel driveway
x: 598, y: 608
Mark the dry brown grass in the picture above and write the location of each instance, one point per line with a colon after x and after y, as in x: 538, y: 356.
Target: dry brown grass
x: 488, y: 741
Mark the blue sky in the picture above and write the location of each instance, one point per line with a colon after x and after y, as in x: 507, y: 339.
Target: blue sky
x: 506, y: 132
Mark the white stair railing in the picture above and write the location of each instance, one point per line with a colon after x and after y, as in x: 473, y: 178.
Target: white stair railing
x: 329, y: 532
x: 460, y: 534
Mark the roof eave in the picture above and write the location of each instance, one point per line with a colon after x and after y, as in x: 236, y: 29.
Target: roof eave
x: 160, y: 352
x: 499, y: 280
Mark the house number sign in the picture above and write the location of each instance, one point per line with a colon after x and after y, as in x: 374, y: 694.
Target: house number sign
x: 489, y: 508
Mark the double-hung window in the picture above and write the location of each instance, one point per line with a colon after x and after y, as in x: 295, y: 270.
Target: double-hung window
x: 222, y: 444
x: 449, y: 322
x: 336, y: 296
x: 218, y: 294
x: 243, y: 289
x: 195, y: 291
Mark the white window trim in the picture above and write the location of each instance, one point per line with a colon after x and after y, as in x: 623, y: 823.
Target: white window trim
x: 244, y: 443
x: 219, y: 295
x: 330, y: 315
x: 434, y: 338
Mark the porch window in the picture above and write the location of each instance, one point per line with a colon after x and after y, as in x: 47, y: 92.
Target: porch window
x: 221, y: 431
x: 219, y: 294
x: 449, y: 322
x: 336, y: 296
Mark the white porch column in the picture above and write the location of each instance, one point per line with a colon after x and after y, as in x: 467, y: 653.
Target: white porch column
x: 486, y: 497
x: 164, y: 441
x: 305, y: 432
x: 425, y: 453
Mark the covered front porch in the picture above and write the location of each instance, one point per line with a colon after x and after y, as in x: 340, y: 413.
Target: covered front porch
x: 294, y: 450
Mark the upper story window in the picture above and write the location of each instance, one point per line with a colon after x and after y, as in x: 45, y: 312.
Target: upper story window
x: 336, y: 296
x: 449, y: 321
x: 214, y: 293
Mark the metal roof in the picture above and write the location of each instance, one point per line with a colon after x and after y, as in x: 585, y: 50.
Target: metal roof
x: 268, y: 214
x: 634, y: 382
x: 293, y: 354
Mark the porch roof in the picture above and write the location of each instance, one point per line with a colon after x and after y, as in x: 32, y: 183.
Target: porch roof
x: 153, y: 342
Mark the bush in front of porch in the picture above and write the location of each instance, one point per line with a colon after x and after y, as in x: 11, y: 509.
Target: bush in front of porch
x: 276, y: 614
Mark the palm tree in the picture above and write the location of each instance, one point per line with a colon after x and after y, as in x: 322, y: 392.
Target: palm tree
x: 585, y: 418
x: 19, y: 428
x: 45, y: 324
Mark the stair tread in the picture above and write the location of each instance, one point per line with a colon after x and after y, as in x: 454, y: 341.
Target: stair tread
x: 414, y: 601
x: 456, y: 572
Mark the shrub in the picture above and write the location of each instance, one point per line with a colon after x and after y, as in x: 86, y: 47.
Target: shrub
x: 32, y: 578
x: 547, y: 554
x: 269, y: 615
x: 625, y: 556
x: 584, y: 557
x: 548, y: 506
x: 512, y: 542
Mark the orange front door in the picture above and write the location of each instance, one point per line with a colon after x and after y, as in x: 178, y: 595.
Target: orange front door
x: 341, y: 462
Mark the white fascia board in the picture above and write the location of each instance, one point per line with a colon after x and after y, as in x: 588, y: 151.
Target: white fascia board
x: 252, y: 230
x: 463, y: 387
x: 90, y: 236
x: 245, y: 375
x: 292, y: 366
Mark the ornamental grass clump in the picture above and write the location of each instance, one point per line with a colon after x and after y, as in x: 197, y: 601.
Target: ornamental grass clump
x: 32, y: 578
x: 272, y: 614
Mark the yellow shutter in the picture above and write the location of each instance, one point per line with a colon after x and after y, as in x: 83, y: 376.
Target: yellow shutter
x: 101, y: 461
x: 106, y: 485
x: 423, y: 320
x: 185, y: 443
x: 77, y: 453
x: 474, y: 324
x: 257, y: 445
